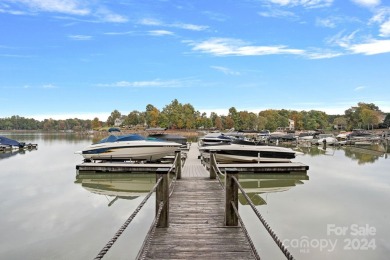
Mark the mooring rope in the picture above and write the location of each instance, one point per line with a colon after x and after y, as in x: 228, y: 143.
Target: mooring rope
x: 149, y: 237
x: 246, y: 232
x: 218, y: 178
x: 285, y: 251
x: 128, y: 221
x: 217, y: 171
x: 173, y: 182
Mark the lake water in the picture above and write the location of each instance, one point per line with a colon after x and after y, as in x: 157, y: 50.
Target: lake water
x: 339, y: 210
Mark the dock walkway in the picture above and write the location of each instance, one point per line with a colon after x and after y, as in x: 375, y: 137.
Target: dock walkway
x: 196, y: 220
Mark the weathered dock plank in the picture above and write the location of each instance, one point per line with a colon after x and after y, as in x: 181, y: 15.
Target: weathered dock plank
x: 196, y: 221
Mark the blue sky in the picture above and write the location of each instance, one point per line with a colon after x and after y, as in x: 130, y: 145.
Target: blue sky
x: 85, y: 58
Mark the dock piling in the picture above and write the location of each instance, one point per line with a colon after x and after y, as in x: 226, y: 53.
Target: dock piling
x: 178, y: 167
x: 162, y: 195
x: 213, y: 165
x: 231, y: 196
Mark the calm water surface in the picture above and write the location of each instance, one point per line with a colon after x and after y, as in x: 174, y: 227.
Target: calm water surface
x: 339, y: 210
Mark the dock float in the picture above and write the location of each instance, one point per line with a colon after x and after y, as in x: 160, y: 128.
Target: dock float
x: 295, y: 167
x: 120, y: 167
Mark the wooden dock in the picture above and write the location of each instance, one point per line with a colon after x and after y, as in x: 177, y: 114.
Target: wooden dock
x: 196, y: 221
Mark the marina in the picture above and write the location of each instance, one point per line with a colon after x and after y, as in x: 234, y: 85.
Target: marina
x: 91, y: 205
x: 203, y: 227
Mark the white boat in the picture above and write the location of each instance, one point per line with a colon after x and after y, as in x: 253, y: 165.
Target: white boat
x: 306, y: 136
x: 249, y: 153
x: 129, y: 147
x: 329, y: 139
x: 215, y: 139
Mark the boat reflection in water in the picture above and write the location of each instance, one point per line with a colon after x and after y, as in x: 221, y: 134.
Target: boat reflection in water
x: 126, y: 186
x: 10, y: 153
x: 259, y: 184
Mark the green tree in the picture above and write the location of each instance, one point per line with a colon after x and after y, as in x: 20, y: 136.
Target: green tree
x: 340, y: 122
x: 114, y: 115
x: 355, y: 117
x: 172, y: 113
x: 133, y: 118
x: 369, y: 117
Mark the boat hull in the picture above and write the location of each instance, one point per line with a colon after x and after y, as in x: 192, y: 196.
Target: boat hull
x: 145, y: 150
x: 248, y: 153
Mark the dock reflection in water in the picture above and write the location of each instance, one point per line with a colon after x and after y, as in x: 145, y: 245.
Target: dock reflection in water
x: 362, y: 154
x: 258, y: 184
x: 10, y: 153
x: 127, y: 186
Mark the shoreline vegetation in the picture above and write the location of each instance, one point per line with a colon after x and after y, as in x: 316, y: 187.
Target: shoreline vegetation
x: 183, y: 117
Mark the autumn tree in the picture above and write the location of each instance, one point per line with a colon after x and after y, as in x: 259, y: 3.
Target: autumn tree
x: 96, y: 123
x: 152, y: 116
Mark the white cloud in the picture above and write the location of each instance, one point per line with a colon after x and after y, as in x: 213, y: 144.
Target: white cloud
x: 80, y: 37
x: 276, y: 13
x: 381, y: 14
x: 185, y: 26
x: 366, y: 46
x: 160, y: 33
x: 370, y: 48
x: 142, y: 84
x: 16, y: 56
x: 359, y: 88
x: 191, y: 27
x: 385, y: 29
x: 107, y: 16
x: 119, y: 33
x: 329, y: 22
x: 342, y: 40
x: 61, y: 6
x: 382, y: 17
x: 304, y: 3
x: 367, y: 3
x: 68, y: 7
x: 150, y: 21
x: 226, y: 71
x: 326, y: 54
x: 215, y: 16
x: 10, y: 11
x: 234, y: 47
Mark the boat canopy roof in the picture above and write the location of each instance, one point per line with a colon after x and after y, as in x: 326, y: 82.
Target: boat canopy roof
x: 113, y: 129
x: 121, y: 138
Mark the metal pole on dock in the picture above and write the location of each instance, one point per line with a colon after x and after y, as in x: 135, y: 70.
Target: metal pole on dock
x: 213, y: 165
x: 231, y: 195
x: 162, y: 195
x: 178, y: 165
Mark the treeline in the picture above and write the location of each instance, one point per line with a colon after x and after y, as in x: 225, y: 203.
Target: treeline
x: 184, y: 116
x: 21, y: 123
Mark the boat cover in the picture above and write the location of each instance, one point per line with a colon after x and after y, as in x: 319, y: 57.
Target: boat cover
x: 121, y: 138
x: 7, y: 141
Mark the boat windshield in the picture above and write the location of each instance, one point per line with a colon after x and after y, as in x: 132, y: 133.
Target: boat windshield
x: 121, y: 138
